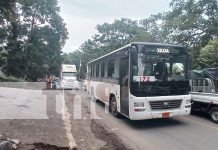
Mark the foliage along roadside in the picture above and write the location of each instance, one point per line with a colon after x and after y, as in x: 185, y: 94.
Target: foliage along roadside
x: 192, y: 23
x: 32, y: 35
x: 4, y: 78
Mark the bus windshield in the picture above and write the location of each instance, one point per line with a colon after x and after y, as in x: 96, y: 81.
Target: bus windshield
x: 160, y: 72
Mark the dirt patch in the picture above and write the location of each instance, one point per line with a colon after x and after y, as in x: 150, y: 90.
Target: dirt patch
x: 112, y: 140
x: 41, y: 146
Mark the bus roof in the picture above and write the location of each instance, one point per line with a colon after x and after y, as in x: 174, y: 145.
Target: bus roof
x: 136, y: 43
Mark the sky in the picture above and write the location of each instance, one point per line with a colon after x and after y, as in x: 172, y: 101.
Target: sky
x: 82, y: 16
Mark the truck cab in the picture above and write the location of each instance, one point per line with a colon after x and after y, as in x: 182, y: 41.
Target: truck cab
x: 206, y: 85
x: 69, y: 77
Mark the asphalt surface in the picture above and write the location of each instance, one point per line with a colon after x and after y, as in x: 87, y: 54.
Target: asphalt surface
x: 194, y: 132
x: 57, y: 119
x: 51, y: 120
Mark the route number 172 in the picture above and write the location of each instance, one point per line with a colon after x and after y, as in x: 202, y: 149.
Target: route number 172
x: 144, y: 79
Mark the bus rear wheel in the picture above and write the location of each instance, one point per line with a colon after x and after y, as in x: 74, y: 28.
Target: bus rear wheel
x: 113, y: 107
x: 214, y: 114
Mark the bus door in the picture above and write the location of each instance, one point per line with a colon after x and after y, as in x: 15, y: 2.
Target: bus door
x: 124, y: 87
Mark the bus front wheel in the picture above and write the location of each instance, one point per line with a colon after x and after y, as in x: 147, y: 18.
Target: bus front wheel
x: 113, y: 107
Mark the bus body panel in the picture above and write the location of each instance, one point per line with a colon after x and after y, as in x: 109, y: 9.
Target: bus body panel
x: 102, y: 91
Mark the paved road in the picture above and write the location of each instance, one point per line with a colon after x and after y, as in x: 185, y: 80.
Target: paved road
x: 190, y: 132
x: 57, y: 119
x: 30, y: 117
x: 51, y: 120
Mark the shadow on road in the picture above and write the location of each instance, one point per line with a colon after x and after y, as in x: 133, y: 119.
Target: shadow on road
x: 153, y: 123
x: 202, y: 115
x: 147, y: 124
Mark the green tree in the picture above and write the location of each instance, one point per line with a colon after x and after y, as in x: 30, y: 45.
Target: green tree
x: 35, y: 49
x: 119, y: 33
x: 157, y: 28
x: 7, y: 26
x: 208, y: 55
x: 110, y: 36
x: 193, y: 23
x: 113, y: 36
x: 7, y: 15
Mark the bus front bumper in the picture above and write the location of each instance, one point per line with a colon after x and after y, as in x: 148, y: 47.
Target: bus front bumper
x: 146, y: 112
x: 158, y: 114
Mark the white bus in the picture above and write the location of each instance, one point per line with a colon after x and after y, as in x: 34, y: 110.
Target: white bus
x: 142, y: 81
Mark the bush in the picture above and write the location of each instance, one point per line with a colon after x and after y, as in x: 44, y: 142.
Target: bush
x: 4, y: 78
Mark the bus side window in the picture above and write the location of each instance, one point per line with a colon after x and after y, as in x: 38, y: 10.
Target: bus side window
x: 102, y: 70
x: 89, y: 73
x: 111, y: 68
x: 201, y: 83
x: 116, y: 75
x: 92, y: 71
x: 195, y: 82
x: 216, y: 85
x: 97, y: 70
x: 206, y: 83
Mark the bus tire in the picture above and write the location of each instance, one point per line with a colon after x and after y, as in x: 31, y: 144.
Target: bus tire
x: 113, y: 107
x: 214, y: 114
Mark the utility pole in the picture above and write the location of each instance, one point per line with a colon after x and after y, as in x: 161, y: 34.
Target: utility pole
x: 80, y: 64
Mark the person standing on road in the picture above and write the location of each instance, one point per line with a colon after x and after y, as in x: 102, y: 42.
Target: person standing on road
x: 48, y: 82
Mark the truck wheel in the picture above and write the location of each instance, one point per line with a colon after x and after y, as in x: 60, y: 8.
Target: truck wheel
x: 113, y: 107
x: 214, y: 114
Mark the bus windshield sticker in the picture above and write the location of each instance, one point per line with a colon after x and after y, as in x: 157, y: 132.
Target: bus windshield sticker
x: 144, y: 78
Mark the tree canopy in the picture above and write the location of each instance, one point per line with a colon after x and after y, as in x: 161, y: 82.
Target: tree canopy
x: 35, y: 38
x: 110, y: 37
x: 32, y: 34
x: 208, y: 55
x: 192, y: 23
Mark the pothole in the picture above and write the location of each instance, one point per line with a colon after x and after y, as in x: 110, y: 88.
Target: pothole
x: 10, y: 145
x: 112, y: 140
x: 43, y: 146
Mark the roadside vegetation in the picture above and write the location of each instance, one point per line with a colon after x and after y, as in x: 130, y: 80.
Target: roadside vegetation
x: 32, y: 34
x: 4, y: 78
x: 192, y: 23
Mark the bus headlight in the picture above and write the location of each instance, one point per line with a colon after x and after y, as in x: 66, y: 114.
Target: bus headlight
x: 139, y: 104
